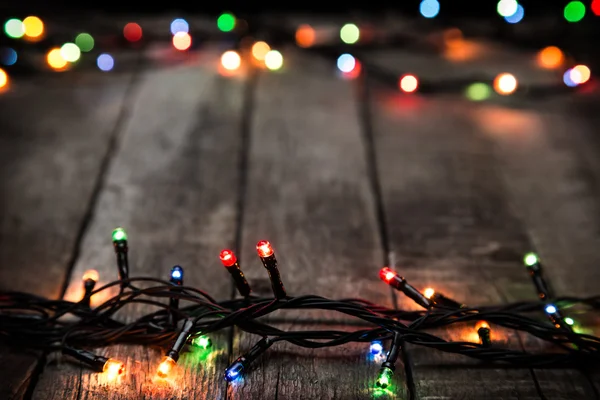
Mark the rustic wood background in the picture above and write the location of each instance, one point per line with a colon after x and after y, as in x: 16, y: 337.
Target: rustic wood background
x: 342, y: 176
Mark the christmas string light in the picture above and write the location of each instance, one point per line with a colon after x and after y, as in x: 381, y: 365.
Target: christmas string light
x: 534, y: 267
x: 439, y: 299
x: 399, y: 283
x: 177, y: 280
x: 230, y: 262
x: 90, y: 277
x: 119, y: 238
x: 267, y: 256
x: 29, y: 321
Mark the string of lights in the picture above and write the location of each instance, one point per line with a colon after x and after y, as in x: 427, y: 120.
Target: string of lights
x: 74, y: 328
x: 185, y: 38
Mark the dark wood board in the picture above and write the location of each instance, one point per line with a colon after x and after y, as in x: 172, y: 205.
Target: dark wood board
x: 55, y: 135
x: 184, y: 127
x: 551, y: 168
x: 308, y: 194
x: 453, y: 228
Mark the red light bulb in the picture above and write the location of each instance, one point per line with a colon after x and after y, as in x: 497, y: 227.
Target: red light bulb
x: 264, y: 249
x: 227, y: 258
x: 387, y: 274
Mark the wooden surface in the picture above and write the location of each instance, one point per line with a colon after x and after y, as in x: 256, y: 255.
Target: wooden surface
x: 342, y: 176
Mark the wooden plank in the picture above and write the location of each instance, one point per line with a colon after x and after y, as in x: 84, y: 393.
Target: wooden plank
x: 52, y: 144
x: 308, y: 193
x: 552, y: 172
x: 173, y: 187
x: 453, y: 229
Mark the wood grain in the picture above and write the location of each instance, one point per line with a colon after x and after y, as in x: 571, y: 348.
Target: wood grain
x: 172, y: 186
x: 454, y: 229
x: 552, y: 172
x: 52, y: 143
x: 308, y: 194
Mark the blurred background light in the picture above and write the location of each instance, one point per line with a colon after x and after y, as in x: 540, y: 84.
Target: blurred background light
x: 260, y: 50
x: 506, y: 8
x: 33, y: 27
x: 182, y: 41
x: 567, y: 78
x: 132, y: 32
x: 230, y: 60
x: 14, y: 28
x: 55, y: 59
x: 409, y: 83
x: 3, y: 79
x: 596, y: 7
x: 517, y: 16
x: 105, y: 62
x: 305, y: 36
x: 505, y: 84
x: 478, y: 91
x: 273, y: 60
x: 8, y: 56
x: 85, y: 42
x: 580, y: 74
x: 226, y: 22
x: 70, y: 52
x: 179, y: 25
x: 574, y: 11
x: 346, y: 63
x: 349, y: 33
x: 551, y: 57
x: 429, y: 8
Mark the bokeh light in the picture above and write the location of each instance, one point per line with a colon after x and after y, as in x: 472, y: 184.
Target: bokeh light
x: 70, y: 52
x: 14, y: 28
x: 506, y: 8
x: 85, y: 42
x: 305, y: 36
x: 3, y: 79
x: 505, y: 84
x: 429, y: 8
x: 567, y: 78
x: 132, y: 32
x: 346, y: 63
x: 574, y: 11
x: 230, y: 60
x: 260, y: 50
x: 8, y: 56
x: 596, y: 7
x: 105, y: 62
x: 478, y: 91
x: 551, y: 57
x: 226, y: 22
x: 517, y: 16
x: 55, y: 59
x: 349, y: 33
x: 355, y: 72
x: 580, y: 74
x: 409, y: 83
x: 179, y: 25
x: 182, y: 41
x: 33, y: 27
x: 273, y: 60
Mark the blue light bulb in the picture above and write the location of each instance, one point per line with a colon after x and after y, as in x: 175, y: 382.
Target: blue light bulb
x: 177, y: 274
x: 376, y: 348
x: 234, y: 371
x: 550, y: 309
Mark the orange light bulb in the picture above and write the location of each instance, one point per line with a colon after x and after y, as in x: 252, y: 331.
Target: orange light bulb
x: 481, y: 324
x: 113, y: 369
x: 166, y: 366
x: 429, y: 292
x: 91, y: 274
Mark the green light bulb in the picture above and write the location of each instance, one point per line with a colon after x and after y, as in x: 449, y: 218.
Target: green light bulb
x: 349, y: 33
x: 569, y: 321
x: 119, y: 234
x: 385, y: 378
x: 574, y: 11
x: 530, y: 259
x: 203, y: 342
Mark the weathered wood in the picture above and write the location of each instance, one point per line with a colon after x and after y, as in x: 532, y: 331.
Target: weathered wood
x: 453, y: 229
x: 308, y: 194
x: 552, y: 172
x: 172, y: 186
x: 52, y: 144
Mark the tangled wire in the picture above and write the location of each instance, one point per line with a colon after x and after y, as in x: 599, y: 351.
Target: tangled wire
x: 34, y: 322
